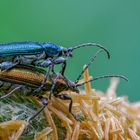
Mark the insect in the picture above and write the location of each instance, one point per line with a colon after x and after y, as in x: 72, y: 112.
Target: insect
x: 28, y: 78
x: 42, y: 54
x: 31, y: 70
x: 23, y: 76
x: 39, y: 54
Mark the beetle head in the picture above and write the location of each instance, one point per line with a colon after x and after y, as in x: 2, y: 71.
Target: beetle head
x: 72, y: 86
x: 67, y: 52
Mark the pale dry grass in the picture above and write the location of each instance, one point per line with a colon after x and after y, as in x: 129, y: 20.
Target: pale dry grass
x: 104, y: 116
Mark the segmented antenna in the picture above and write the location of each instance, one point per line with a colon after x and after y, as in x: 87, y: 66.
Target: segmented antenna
x: 90, y: 62
x: 101, y: 77
x: 92, y: 44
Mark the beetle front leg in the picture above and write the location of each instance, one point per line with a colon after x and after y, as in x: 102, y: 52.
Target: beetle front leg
x: 67, y: 97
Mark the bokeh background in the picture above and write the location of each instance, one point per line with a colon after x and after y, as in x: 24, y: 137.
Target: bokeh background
x: 114, y: 24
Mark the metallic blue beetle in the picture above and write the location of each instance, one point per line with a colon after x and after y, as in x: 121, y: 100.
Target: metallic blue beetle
x: 38, y: 54
x: 42, y: 54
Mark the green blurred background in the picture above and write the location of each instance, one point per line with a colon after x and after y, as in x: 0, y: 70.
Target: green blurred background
x: 114, y: 24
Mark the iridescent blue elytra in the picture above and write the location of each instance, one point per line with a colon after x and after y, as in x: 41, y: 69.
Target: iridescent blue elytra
x: 29, y: 48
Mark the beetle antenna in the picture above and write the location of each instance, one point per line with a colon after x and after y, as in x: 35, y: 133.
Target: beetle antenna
x: 101, y: 77
x: 90, y: 62
x: 92, y: 44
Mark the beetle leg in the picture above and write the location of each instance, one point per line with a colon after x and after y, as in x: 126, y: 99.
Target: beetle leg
x: 53, y: 70
x: 44, y: 102
x: 48, y: 62
x: 67, y: 97
x: 42, y: 83
x: 53, y: 86
x: 62, y: 61
x: 57, y: 77
x: 42, y: 63
x: 10, y: 93
x: 54, y: 83
x: 45, y: 63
